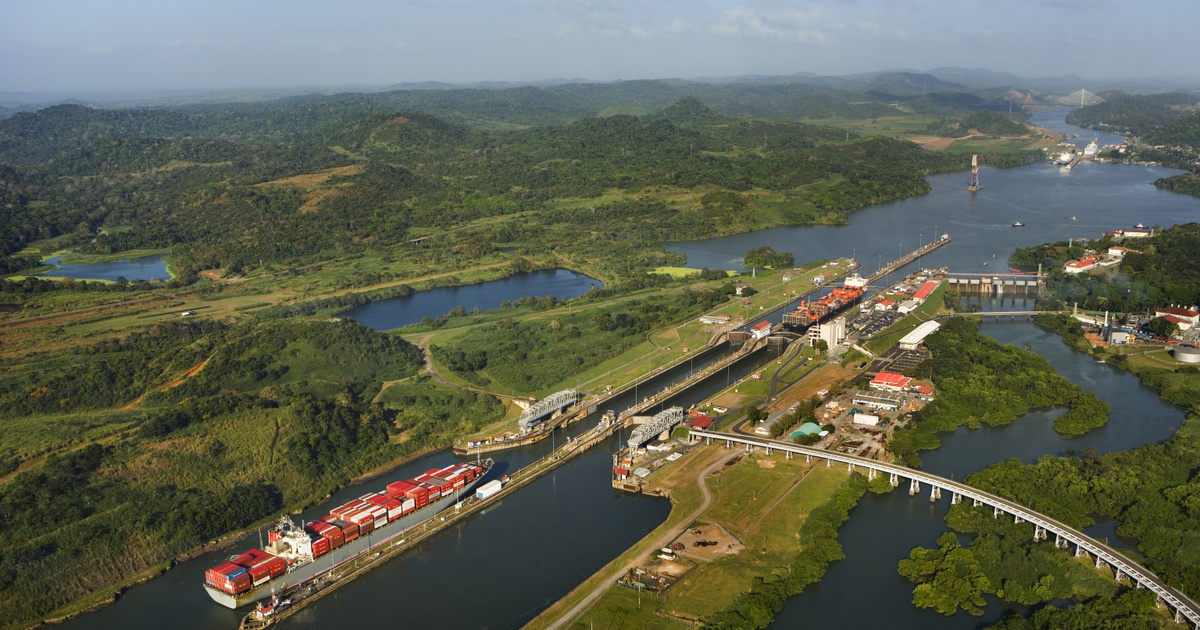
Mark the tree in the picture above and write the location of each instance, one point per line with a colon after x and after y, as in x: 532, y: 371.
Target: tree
x: 766, y: 257
x: 1161, y: 327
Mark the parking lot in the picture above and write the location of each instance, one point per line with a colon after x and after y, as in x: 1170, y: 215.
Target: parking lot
x: 871, y: 323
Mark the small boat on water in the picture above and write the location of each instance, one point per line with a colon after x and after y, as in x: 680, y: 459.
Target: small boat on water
x: 1018, y: 224
x: 1072, y: 218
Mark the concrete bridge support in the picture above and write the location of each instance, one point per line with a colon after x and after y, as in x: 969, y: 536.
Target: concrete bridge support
x: 870, y: 474
x: 935, y: 493
x: 977, y: 502
x: 914, y: 487
x: 828, y: 463
x: 895, y: 480
x: 1079, y: 552
x: 808, y: 459
x: 1017, y: 520
x: 956, y: 499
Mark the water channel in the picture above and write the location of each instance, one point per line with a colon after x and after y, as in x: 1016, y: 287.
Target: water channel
x: 502, y: 567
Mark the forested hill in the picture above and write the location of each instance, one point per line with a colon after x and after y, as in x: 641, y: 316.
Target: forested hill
x: 29, y: 137
x: 237, y: 188
x: 1137, y: 115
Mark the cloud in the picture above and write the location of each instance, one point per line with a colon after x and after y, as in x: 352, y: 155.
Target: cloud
x: 786, y: 25
x: 98, y: 49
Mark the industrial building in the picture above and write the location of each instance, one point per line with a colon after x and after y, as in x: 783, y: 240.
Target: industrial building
x: 889, y: 382
x: 760, y: 330
x: 914, y: 339
x: 879, y: 400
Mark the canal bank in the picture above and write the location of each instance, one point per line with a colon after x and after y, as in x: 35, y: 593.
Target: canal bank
x: 542, y: 541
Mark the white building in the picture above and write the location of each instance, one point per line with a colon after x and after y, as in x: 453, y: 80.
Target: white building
x: 833, y: 332
x: 866, y: 419
x: 914, y: 339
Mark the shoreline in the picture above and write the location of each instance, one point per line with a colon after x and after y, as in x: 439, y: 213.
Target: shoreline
x: 119, y: 590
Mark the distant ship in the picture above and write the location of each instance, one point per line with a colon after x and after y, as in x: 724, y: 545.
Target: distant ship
x: 974, y: 174
x: 1072, y: 218
x: 1018, y: 224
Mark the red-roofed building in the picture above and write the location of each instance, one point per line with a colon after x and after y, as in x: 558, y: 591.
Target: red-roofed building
x: 884, y: 304
x: 924, y: 390
x: 1080, y: 266
x: 701, y: 422
x: 760, y: 330
x: 1116, y: 251
x: 926, y: 289
x: 889, y: 382
x: 1186, y: 314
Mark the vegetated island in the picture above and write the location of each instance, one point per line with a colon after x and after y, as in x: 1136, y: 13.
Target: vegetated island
x: 1151, y: 491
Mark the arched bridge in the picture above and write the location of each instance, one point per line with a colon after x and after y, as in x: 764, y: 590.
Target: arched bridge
x: 1123, y: 568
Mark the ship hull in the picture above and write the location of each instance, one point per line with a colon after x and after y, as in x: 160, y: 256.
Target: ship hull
x: 375, y: 540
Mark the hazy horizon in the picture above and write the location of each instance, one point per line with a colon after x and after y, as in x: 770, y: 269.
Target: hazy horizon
x: 130, y: 46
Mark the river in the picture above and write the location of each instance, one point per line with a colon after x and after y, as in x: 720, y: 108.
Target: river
x: 501, y: 568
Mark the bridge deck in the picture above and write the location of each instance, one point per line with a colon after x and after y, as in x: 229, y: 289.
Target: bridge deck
x: 1185, y: 608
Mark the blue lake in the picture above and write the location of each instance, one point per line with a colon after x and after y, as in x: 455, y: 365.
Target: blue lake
x: 409, y: 309
x: 147, y: 268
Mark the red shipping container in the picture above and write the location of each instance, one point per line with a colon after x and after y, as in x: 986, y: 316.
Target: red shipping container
x: 418, y: 493
x: 343, y: 510
x: 223, y: 570
x: 366, y: 527
x: 320, y: 547
x: 432, y: 472
x: 400, y: 486
x: 335, y: 538
x: 378, y: 499
x: 349, y: 530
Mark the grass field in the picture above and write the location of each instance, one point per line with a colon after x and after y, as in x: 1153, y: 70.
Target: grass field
x: 761, y: 501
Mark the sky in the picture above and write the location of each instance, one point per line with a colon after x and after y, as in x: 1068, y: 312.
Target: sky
x: 80, y: 46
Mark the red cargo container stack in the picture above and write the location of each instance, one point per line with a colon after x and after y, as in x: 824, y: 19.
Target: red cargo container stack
x: 395, y: 509
x: 267, y: 567
x: 320, y: 546
x: 379, y: 514
x: 349, y: 530
x: 229, y: 577
x: 434, y: 491
x: 376, y: 499
x: 343, y: 510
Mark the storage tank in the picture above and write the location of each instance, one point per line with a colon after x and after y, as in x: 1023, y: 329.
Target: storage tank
x: 1186, y: 355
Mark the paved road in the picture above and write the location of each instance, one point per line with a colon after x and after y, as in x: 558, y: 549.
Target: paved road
x: 606, y: 581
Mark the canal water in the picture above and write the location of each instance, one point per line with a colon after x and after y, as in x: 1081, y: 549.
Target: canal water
x: 501, y: 568
x: 148, y: 268
x: 410, y: 309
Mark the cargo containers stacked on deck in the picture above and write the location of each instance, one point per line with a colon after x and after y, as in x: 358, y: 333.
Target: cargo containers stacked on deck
x: 250, y: 569
x: 293, y: 550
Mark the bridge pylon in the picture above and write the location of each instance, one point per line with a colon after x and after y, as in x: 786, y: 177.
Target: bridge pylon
x: 935, y: 493
x: 895, y: 480
x: 914, y: 487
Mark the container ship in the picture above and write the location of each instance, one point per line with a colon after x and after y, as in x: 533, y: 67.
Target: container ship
x: 809, y: 313
x: 298, y: 554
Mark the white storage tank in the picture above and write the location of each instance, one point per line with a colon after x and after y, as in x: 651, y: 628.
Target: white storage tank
x: 488, y: 489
